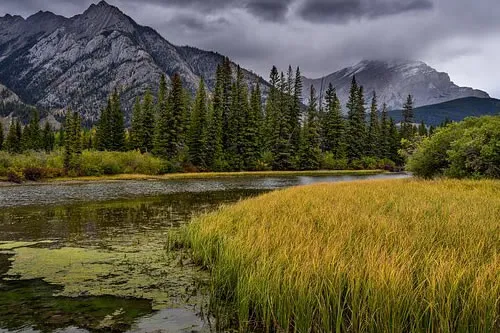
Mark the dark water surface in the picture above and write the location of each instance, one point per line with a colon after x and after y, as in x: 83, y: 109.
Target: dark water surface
x: 98, y: 256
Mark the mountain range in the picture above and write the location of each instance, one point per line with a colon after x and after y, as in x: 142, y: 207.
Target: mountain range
x: 393, y: 81
x: 54, y: 62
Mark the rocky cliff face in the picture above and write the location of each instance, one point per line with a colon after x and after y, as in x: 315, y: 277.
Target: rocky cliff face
x: 393, y: 81
x: 56, y: 62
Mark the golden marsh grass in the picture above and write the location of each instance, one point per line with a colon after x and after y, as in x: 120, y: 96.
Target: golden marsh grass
x: 368, y: 256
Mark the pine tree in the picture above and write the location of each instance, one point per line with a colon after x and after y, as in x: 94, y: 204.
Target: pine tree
x: 137, y: 130
x: 272, y: 106
x: 333, y: 125
x: 31, y: 137
x: 198, y: 129
x: 310, y: 154
x: 176, y: 122
x: 422, y: 129
x: 407, y: 123
x: 252, y: 129
x: 239, y: 108
x: 72, y: 141
x: 104, y: 130
x: 395, y: 142
x: 282, y: 149
x: 13, y: 140
x: 384, y: 140
x: 117, y: 142
x: 215, y: 154
x: 226, y: 95
x: 1, y: 136
x: 374, y: 131
x: 356, y: 123
x: 161, y: 138
x: 48, y: 139
x: 147, y: 123
x: 296, y: 113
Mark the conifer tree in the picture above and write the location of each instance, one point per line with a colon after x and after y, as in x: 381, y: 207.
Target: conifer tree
x: 356, y: 123
x: 384, y: 141
x: 117, y: 117
x: 72, y: 141
x: 147, y: 123
x: 296, y: 113
x: 272, y: 106
x: 422, y: 129
x: 374, y: 131
x: 104, y: 131
x: 407, y: 123
x: 176, y: 122
x: 239, y: 108
x: 136, y: 130
x: 162, y: 134
x: 31, y: 137
x: 395, y: 142
x: 310, y: 154
x: 282, y: 150
x: 252, y: 129
x: 198, y: 129
x: 333, y: 125
x: 1, y: 136
x: 48, y: 139
x: 215, y: 154
x: 226, y: 103
x: 13, y: 140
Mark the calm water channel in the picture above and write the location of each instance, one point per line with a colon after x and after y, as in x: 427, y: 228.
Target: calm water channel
x: 98, y: 257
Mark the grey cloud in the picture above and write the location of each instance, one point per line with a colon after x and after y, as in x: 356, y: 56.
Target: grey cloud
x: 341, y: 11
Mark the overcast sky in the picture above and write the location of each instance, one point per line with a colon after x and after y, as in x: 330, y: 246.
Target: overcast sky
x: 461, y: 37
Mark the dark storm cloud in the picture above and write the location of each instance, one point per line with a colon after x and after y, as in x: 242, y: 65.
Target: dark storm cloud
x: 457, y: 36
x: 340, y: 11
x: 262, y: 9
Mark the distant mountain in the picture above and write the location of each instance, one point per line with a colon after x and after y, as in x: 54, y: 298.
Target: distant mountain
x: 455, y: 110
x: 393, y: 81
x: 54, y: 62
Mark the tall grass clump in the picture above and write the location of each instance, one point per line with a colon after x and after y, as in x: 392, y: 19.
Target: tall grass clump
x: 39, y: 165
x: 370, y: 256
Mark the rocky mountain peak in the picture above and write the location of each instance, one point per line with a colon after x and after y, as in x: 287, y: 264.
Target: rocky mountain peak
x: 393, y: 80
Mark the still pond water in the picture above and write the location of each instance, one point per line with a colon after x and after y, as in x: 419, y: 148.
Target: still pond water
x: 98, y: 256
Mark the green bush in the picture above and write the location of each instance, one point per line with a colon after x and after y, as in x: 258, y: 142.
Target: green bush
x: 330, y: 163
x: 469, y: 149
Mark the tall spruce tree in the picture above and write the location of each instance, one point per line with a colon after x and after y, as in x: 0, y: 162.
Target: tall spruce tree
x: 374, y: 131
x: 296, y: 113
x: 384, y: 140
x: 136, y: 130
x: 239, y: 107
x: 226, y: 103
x: 198, y: 130
x: 252, y: 129
x: 117, y: 118
x: 14, y: 136
x: 407, y: 123
x: 333, y: 125
x: 104, y: 130
x: 162, y: 134
x: 48, y: 139
x: 176, y: 122
x: 395, y: 143
x: 31, y: 137
x: 72, y: 141
x: 148, y: 123
x: 310, y: 152
x: 272, y: 105
x: 1, y: 136
x: 215, y: 154
x: 282, y: 149
x: 356, y: 123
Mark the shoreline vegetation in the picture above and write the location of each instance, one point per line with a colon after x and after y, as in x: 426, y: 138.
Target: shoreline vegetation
x: 419, y: 256
x: 198, y: 175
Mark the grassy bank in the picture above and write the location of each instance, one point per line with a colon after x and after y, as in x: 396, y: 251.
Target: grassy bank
x: 370, y: 256
x: 132, y: 165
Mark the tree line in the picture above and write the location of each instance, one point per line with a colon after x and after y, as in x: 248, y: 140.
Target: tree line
x: 233, y: 129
